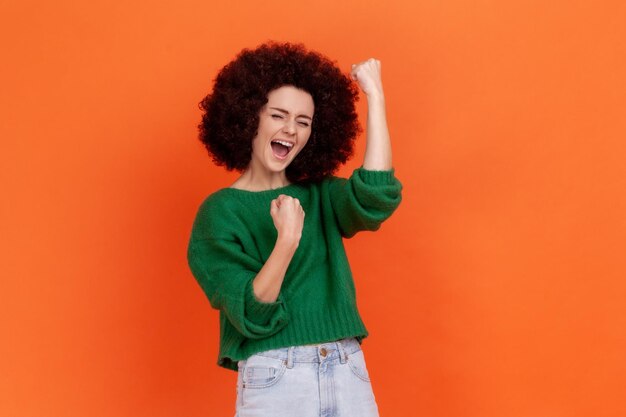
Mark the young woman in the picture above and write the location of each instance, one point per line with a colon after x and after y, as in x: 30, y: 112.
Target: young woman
x: 268, y: 250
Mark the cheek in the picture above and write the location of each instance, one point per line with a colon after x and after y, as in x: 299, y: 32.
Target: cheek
x: 308, y: 139
x: 257, y: 145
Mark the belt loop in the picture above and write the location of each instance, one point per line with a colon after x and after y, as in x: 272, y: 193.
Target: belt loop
x: 290, y: 357
x: 343, y: 357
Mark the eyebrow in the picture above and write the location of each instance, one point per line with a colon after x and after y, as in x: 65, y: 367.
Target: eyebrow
x: 286, y: 112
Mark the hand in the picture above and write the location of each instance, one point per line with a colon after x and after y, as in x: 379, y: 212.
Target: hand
x: 288, y: 217
x: 367, y: 74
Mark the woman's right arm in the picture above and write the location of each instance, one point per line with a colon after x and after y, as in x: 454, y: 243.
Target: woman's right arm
x: 288, y: 217
x: 238, y: 284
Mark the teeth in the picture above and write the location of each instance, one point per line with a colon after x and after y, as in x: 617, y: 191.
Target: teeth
x: 282, y: 142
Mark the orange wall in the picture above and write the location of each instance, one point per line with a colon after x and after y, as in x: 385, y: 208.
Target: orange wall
x: 497, y: 288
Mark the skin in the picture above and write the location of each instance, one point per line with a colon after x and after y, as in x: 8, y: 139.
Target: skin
x: 378, y: 145
x: 267, y: 172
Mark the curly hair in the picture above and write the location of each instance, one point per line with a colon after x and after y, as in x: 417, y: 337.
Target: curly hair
x: 231, y: 112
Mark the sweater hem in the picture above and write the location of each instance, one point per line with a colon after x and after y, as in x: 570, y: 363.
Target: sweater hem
x: 230, y: 361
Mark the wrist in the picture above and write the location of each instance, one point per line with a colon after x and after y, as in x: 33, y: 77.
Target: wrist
x: 288, y: 242
x: 377, y: 98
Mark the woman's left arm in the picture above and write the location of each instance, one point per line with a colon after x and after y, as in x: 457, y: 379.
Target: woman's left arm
x: 372, y: 193
x: 378, y: 145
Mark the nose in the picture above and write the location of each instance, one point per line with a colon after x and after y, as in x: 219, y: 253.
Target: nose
x: 289, y: 127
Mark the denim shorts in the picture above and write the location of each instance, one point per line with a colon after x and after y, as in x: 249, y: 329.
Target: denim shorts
x: 323, y: 380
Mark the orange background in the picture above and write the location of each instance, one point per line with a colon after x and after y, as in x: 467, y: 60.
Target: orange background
x: 496, y: 289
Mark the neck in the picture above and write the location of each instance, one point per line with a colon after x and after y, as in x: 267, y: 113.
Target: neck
x: 259, y: 180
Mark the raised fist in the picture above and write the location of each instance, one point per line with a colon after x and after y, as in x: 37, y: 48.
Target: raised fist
x: 367, y: 74
x: 288, y: 217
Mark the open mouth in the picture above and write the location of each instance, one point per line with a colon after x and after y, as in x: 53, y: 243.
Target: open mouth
x: 281, y: 148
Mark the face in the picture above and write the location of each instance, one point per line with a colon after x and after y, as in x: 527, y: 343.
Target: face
x: 284, y: 128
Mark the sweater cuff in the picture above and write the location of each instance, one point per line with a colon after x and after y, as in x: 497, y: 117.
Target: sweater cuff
x: 258, y: 311
x: 386, y: 177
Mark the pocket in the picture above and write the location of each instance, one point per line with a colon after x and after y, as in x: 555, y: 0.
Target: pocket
x: 356, y: 361
x: 262, y: 371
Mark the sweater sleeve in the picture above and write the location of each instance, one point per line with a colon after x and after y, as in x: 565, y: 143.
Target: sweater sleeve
x: 225, y: 274
x: 365, y: 200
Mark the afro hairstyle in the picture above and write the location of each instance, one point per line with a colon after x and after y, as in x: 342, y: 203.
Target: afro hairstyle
x: 230, y: 116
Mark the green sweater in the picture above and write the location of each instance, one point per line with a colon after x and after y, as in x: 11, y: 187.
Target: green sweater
x: 233, y: 235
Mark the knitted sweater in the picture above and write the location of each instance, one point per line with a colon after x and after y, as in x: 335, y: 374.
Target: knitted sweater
x: 233, y: 235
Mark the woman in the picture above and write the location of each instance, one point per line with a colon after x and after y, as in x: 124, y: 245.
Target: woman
x: 268, y: 250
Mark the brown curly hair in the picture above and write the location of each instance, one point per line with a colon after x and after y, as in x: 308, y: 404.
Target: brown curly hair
x: 231, y: 112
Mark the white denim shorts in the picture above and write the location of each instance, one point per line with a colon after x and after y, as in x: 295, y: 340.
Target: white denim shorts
x: 324, y: 380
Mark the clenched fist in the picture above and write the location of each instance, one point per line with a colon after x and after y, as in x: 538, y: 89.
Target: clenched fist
x: 288, y: 217
x: 367, y: 74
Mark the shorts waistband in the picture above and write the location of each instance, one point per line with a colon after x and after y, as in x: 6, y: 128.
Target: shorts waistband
x: 317, y: 353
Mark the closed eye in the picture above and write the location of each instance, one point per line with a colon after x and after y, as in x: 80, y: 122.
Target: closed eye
x: 278, y: 116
